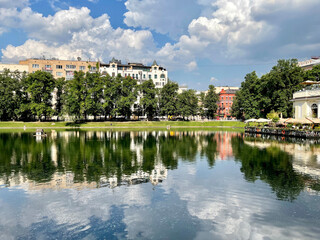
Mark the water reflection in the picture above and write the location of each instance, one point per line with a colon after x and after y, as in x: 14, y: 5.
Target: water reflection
x: 157, y: 185
x: 289, y: 167
x: 79, y: 159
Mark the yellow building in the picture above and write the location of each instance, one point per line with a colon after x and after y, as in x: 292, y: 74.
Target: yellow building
x: 58, y: 68
x: 13, y: 68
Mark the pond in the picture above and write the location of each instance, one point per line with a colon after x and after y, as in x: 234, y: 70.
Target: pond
x: 157, y: 185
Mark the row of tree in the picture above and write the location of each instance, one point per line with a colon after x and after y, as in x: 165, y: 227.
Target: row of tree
x: 273, y: 91
x: 39, y: 96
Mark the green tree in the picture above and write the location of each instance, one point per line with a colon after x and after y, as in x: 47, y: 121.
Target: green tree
x: 247, y: 100
x: 59, y: 91
x: 149, y: 98
x: 8, y: 88
x: 210, y: 101
x: 273, y: 91
x: 127, y: 97
x: 169, y: 98
x: 108, y: 95
x: 313, y: 74
x: 40, y: 88
x: 187, y: 103
x: 95, y: 87
x: 74, y: 98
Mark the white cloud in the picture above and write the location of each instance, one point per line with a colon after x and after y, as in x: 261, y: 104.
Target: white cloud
x: 222, y: 31
x: 213, y: 79
x: 167, y: 16
x: 72, y: 33
x: 192, y: 65
x: 13, y: 3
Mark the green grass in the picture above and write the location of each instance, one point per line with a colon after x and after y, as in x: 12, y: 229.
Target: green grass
x: 142, y: 124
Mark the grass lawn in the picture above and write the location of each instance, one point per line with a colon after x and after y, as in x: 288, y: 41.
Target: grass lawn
x: 127, y: 125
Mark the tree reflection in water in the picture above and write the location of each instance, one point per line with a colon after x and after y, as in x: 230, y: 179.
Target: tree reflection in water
x: 77, y: 159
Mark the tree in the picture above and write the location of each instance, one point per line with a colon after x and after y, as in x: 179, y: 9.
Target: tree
x: 313, y: 74
x: 8, y: 88
x: 93, y: 101
x: 247, y: 100
x: 187, y: 103
x: 59, y: 91
x: 201, y: 104
x: 149, y: 99
x: 40, y: 88
x: 74, y: 97
x: 169, y: 98
x: 210, y: 101
x: 127, y: 97
x: 108, y: 95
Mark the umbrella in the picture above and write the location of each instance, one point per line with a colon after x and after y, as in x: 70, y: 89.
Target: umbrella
x: 308, y: 82
x: 263, y: 120
x: 250, y: 120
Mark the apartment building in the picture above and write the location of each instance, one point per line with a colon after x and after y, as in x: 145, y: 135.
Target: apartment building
x: 14, y: 68
x: 226, y: 98
x: 137, y: 71
x: 58, y: 68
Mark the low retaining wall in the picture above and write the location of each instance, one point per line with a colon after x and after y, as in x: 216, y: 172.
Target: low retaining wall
x: 284, y: 132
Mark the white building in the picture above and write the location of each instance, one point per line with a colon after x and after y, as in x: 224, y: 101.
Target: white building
x: 306, y: 102
x: 308, y: 64
x: 137, y: 71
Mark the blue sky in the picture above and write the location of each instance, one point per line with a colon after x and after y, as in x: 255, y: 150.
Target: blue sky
x: 200, y: 42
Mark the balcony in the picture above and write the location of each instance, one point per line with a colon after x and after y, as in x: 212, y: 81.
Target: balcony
x: 308, y: 92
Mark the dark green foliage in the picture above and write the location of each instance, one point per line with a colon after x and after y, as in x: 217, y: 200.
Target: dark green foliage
x: 40, y: 88
x: 169, y: 99
x: 187, y: 103
x: 273, y: 91
x: 74, y: 98
x: 210, y: 102
x: 8, y: 96
x: 59, y: 91
x: 127, y: 97
x: 149, y: 99
x: 313, y: 74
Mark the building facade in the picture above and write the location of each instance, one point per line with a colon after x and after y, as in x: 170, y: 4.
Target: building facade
x: 306, y: 102
x: 14, y: 68
x: 226, y: 98
x: 137, y: 71
x: 58, y: 68
x: 308, y: 64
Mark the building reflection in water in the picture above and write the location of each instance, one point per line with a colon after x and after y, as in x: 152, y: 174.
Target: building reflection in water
x: 94, y: 159
x: 304, y: 157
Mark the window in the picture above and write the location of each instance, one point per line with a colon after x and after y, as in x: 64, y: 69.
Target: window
x: 125, y: 75
x: 113, y: 65
x: 137, y: 76
x: 47, y: 66
x: 59, y: 74
x: 149, y: 76
x: 144, y: 76
x: 71, y: 66
x: 113, y: 74
x: 82, y: 68
x: 58, y: 66
x: 69, y: 75
x: 35, y: 65
x: 155, y: 76
x: 155, y: 68
x: 162, y: 76
x: 93, y: 68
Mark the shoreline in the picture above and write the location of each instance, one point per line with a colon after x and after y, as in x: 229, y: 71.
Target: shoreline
x: 123, y: 125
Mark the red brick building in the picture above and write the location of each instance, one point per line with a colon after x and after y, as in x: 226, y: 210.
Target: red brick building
x: 226, y: 97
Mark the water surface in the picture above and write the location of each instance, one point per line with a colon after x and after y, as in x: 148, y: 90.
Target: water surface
x: 157, y: 185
